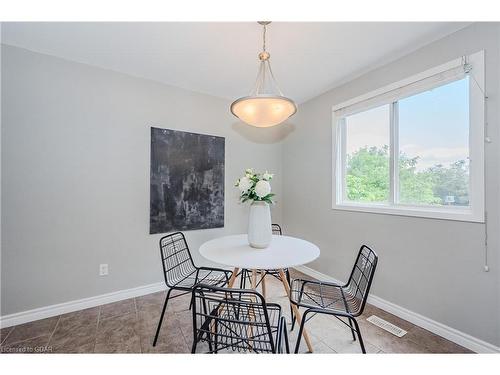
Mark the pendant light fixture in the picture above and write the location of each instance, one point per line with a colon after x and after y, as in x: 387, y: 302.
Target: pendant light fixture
x: 265, y: 106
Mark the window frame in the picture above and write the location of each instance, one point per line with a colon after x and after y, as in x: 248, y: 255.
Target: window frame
x: 472, y: 213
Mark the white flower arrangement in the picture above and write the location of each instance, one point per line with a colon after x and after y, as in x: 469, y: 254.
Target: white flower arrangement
x: 255, y: 187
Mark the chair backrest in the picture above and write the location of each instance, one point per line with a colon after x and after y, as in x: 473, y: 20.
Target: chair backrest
x: 360, y: 280
x: 232, y: 319
x: 176, y: 259
x: 276, y: 229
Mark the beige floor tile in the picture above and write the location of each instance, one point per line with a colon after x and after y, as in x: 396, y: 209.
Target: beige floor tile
x: 154, y: 299
x: 150, y: 315
x: 181, y: 323
x: 171, y: 338
x: 350, y: 346
x: 335, y: 334
x: 4, y: 332
x: 77, y: 338
x: 43, y: 327
x: 79, y: 341
x: 180, y: 303
x: 202, y: 347
x: 75, y: 332
x: 117, y: 308
x: 319, y: 346
x: 118, y: 334
x: 79, y: 318
x: 185, y: 321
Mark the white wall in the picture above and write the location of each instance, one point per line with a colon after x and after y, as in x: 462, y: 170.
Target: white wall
x: 75, y: 175
x: 432, y: 267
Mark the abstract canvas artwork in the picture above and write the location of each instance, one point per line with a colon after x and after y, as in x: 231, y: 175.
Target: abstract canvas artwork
x: 186, y: 181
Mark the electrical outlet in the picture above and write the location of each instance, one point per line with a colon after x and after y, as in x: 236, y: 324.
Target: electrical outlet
x: 103, y: 269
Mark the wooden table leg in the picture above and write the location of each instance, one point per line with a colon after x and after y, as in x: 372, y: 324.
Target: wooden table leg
x: 254, y: 279
x: 233, y: 277
x: 295, y: 309
x: 263, y: 282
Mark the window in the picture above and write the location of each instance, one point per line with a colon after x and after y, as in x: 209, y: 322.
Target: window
x: 367, y: 137
x: 408, y: 149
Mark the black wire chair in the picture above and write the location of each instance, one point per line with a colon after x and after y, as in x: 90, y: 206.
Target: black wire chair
x: 276, y: 229
x: 342, y: 301
x: 181, y: 273
x: 236, y: 320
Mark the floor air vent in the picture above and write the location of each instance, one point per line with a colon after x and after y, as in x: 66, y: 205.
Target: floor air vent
x: 385, y: 325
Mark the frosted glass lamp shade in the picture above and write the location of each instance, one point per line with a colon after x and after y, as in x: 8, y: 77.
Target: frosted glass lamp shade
x: 265, y: 106
x: 263, y: 111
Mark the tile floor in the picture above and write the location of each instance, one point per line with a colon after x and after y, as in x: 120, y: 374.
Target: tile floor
x: 128, y: 327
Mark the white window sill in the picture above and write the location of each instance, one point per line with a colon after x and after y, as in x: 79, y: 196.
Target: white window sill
x: 449, y: 213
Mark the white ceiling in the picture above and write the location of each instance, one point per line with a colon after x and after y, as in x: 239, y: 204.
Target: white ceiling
x: 221, y: 58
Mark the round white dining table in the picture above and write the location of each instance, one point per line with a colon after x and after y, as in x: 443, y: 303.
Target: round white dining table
x: 283, y: 252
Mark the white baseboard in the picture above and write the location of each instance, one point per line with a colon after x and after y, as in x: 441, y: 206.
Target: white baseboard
x: 452, y: 334
x: 85, y: 303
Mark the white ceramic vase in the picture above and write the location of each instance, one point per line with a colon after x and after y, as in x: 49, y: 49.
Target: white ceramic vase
x: 259, y: 225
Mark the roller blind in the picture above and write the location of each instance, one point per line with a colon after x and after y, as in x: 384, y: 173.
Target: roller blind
x: 408, y: 89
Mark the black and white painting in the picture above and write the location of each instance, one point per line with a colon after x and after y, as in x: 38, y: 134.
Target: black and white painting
x: 187, y: 181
